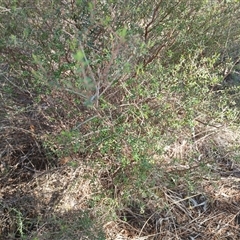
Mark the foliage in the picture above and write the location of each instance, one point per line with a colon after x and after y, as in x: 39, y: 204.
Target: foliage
x: 118, y: 81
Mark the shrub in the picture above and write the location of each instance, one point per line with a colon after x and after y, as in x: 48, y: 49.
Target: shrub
x: 118, y: 81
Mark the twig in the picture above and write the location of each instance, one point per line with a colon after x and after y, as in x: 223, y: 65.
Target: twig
x: 89, y: 119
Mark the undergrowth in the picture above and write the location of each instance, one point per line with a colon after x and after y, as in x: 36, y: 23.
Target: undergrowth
x: 123, y: 109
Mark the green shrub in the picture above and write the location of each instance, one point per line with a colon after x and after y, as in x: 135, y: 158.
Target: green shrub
x: 125, y: 78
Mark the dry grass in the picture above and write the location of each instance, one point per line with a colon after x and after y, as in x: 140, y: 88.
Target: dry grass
x: 45, y: 196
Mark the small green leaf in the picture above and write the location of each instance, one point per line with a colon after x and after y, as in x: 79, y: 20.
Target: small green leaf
x: 78, y: 56
x: 122, y: 32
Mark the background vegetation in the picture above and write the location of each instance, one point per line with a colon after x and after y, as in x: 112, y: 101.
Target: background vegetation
x: 119, y: 119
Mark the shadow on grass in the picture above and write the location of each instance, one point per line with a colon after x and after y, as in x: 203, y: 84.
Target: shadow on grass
x: 27, y: 218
